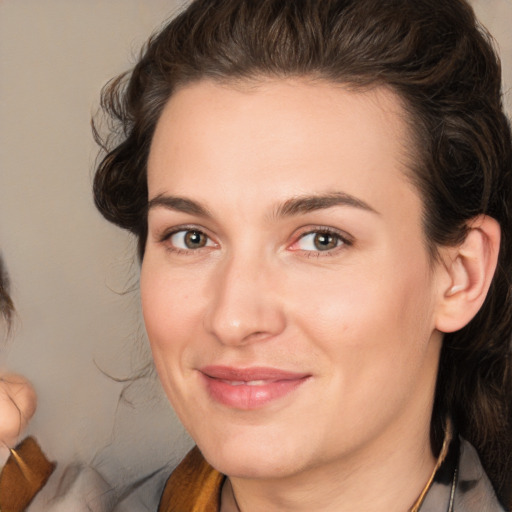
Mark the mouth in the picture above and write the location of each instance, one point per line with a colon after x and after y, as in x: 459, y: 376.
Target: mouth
x: 249, y: 388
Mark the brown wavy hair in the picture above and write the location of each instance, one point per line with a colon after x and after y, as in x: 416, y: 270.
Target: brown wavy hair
x: 6, y: 305
x: 441, y: 63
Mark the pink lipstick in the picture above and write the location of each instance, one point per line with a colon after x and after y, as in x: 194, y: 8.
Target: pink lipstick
x: 249, y: 388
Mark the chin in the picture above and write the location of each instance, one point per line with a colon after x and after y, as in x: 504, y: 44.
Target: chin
x: 254, y: 456
x: 250, y: 466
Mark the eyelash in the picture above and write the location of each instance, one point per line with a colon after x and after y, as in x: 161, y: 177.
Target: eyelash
x: 166, y: 237
x: 343, y: 241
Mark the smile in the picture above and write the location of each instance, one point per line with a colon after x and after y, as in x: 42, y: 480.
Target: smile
x: 249, y: 388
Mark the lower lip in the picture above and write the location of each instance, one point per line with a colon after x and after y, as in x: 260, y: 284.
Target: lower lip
x: 248, y: 397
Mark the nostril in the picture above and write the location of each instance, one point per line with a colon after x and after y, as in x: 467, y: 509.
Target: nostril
x: 259, y: 335
x: 253, y: 325
x: 240, y: 309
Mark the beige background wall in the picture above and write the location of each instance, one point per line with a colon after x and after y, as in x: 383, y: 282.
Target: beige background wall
x: 65, y: 261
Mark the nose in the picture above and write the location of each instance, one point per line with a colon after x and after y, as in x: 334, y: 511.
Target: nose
x: 245, y: 304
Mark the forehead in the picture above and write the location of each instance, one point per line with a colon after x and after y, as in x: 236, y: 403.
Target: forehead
x: 298, y: 135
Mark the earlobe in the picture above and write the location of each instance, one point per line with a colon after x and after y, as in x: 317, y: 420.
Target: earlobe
x: 469, y: 269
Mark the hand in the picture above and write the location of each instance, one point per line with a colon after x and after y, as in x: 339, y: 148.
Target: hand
x: 18, y: 402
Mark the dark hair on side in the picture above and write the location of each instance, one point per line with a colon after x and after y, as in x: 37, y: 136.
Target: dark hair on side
x: 6, y: 305
x: 436, y: 57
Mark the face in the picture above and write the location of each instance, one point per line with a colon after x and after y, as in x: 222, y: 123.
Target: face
x: 286, y: 288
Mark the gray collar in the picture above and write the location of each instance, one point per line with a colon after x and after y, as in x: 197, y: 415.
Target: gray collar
x: 460, y: 484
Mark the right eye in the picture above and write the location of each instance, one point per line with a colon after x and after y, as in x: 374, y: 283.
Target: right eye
x: 189, y: 239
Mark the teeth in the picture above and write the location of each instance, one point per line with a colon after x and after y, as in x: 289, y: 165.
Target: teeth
x: 245, y: 383
x: 234, y: 382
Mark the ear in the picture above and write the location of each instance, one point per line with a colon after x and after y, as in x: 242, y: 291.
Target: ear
x: 467, y: 274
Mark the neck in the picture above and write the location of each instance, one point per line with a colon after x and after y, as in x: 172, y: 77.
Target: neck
x: 384, y: 476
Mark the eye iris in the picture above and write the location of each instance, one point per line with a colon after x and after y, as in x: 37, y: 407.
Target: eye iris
x: 325, y: 241
x: 195, y: 239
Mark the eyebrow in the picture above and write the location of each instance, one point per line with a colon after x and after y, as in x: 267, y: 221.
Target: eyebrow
x: 308, y: 203
x: 178, y: 204
x: 291, y: 207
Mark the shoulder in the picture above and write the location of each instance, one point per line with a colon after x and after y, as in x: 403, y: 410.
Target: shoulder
x: 460, y: 483
x: 474, y: 491
x: 29, y: 481
x: 75, y: 487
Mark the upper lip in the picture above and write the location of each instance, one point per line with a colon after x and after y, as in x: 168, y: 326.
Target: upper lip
x: 230, y: 373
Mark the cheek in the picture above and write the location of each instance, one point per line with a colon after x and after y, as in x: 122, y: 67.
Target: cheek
x: 168, y: 300
x: 167, y: 310
x: 170, y: 321
x: 369, y: 318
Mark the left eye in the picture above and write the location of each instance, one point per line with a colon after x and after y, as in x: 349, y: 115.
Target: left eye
x: 319, y: 241
x: 190, y: 239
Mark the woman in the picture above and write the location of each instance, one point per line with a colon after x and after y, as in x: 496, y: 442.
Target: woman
x: 321, y: 195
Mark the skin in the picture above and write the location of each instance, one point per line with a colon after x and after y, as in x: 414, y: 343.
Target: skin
x: 17, y: 405
x: 359, y: 319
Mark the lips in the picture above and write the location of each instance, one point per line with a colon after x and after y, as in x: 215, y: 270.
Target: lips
x: 249, y: 388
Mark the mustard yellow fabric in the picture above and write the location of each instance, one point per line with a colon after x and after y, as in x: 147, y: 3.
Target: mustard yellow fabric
x: 194, y: 486
x: 23, y: 476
